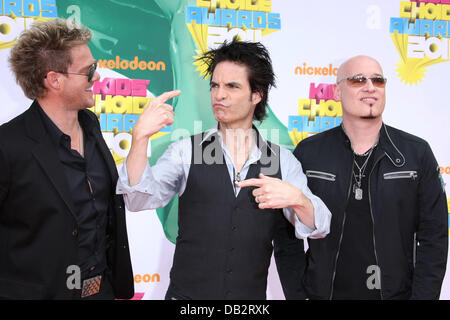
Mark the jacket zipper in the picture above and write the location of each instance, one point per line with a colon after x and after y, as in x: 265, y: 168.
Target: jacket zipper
x: 400, y: 175
x: 342, y: 232
x: 373, y: 225
x: 320, y: 175
x: 342, y: 229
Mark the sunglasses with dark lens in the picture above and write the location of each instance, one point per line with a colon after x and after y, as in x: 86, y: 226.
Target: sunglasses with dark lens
x: 90, y: 74
x: 360, y: 81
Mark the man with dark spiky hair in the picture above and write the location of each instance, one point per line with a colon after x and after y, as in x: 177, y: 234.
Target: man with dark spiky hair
x: 258, y: 66
x: 224, y: 243
x: 62, y: 227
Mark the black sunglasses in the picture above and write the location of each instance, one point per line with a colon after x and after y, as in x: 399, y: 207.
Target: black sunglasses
x: 90, y: 74
x: 359, y: 81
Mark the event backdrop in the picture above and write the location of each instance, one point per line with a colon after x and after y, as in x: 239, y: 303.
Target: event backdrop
x: 147, y: 47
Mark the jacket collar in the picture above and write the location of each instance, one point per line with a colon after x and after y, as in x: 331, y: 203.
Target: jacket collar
x: 35, y: 127
x: 386, y: 146
x: 46, y: 154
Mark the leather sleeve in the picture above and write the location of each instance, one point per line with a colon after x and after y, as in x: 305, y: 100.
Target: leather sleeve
x: 290, y: 260
x: 432, y: 234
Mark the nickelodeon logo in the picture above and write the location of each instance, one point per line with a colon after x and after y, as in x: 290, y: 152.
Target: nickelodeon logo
x: 445, y: 170
x: 120, y: 64
x: 330, y: 70
x: 146, y: 278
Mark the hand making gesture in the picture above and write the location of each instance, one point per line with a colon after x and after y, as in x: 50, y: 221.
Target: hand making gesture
x: 273, y: 193
x: 156, y: 116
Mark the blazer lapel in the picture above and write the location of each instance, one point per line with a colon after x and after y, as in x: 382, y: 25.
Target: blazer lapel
x: 106, y: 153
x: 46, y: 155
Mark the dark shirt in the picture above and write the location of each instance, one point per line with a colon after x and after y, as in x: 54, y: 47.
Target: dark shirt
x: 89, y: 184
x: 357, y: 252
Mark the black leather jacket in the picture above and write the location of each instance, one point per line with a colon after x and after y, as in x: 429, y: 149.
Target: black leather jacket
x: 408, y: 208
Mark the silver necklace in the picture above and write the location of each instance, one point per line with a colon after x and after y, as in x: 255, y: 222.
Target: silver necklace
x: 357, y: 190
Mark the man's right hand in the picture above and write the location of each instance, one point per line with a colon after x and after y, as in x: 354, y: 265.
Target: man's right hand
x: 156, y: 116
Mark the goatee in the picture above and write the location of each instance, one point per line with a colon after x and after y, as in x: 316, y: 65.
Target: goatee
x: 369, y: 117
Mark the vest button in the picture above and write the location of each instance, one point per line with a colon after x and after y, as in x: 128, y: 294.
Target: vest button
x: 75, y: 232
x: 233, y: 228
x: 229, y: 271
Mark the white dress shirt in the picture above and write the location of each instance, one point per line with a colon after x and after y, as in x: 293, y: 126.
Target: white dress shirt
x: 168, y: 177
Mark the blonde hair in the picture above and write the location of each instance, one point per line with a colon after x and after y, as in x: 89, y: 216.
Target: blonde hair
x: 42, y: 48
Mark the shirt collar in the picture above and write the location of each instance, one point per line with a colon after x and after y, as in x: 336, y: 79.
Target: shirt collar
x: 56, y: 135
x: 255, y: 154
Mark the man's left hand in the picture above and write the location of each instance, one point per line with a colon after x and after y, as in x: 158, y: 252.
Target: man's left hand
x: 273, y: 193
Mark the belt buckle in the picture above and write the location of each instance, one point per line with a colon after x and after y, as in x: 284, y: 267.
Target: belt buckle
x: 91, y: 286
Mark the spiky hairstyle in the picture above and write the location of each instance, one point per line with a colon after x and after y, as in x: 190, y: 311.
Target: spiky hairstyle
x: 255, y: 57
x: 42, y: 48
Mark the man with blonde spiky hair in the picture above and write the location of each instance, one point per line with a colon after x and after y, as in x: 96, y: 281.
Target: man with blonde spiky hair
x: 62, y: 228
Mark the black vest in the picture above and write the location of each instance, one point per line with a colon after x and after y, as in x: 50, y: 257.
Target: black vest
x: 224, y: 243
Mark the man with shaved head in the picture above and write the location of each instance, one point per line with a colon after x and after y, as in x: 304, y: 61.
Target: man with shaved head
x: 388, y: 236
